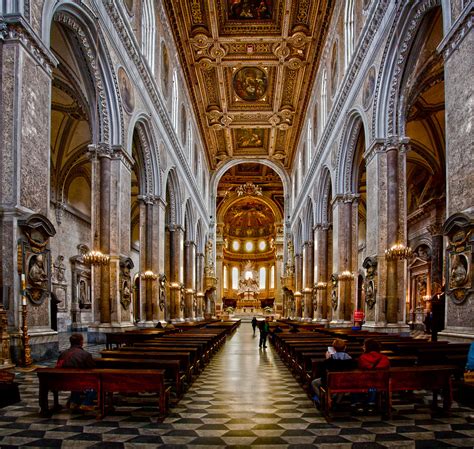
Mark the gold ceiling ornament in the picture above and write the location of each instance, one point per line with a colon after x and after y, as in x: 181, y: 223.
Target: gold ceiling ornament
x: 96, y: 258
x: 398, y: 252
x: 249, y: 189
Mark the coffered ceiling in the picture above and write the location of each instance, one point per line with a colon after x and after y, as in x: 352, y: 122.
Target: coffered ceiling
x: 250, y: 67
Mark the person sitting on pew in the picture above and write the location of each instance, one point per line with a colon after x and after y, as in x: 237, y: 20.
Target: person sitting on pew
x: 169, y: 325
x: 159, y: 325
x: 337, y: 359
x: 370, y: 359
x: 77, y: 357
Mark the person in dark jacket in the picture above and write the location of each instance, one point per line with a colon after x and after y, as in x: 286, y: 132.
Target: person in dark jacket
x: 337, y: 359
x: 254, y: 324
x: 264, y: 330
x: 77, y: 357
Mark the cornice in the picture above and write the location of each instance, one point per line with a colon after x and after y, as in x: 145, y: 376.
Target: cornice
x: 17, y: 29
x: 370, y: 29
x: 131, y: 47
x: 460, y: 29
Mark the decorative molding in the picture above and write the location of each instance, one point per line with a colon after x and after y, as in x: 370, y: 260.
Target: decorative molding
x: 22, y: 33
x: 457, y: 33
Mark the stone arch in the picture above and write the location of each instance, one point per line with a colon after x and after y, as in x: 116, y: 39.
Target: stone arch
x: 323, y: 191
x: 200, y: 237
x: 173, y: 193
x: 387, y: 120
x: 104, y: 84
x: 148, y: 161
x: 345, y: 179
x: 308, y: 221
x: 189, y: 221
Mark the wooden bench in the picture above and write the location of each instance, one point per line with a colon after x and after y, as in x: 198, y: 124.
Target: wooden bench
x: 103, y: 381
x: 434, y: 378
x: 356, y: 381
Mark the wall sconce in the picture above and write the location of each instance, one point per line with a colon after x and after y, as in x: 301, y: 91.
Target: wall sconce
x: 148, y: 275
x: 96, y: 258
x: 321, y: 285
x: 398, y: 251
x: 346, y: 276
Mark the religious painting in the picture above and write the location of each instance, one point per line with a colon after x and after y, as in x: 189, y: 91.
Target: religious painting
x: 249, y: 138
x: 165, y: 69
x: 334, y: 69
x: 250, y: 83
x: 126, y: 91
x: 249, y: 9
x: 369, y: 87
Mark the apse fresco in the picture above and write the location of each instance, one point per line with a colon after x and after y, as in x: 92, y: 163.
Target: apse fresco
x: 250, y: 9
x: 250, y: 83
x: 249, y: 138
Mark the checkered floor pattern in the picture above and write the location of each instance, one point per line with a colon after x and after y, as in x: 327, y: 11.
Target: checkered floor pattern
x: 245, y: 397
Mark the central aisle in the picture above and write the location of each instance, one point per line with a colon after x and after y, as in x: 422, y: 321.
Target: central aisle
x: 246, y: 395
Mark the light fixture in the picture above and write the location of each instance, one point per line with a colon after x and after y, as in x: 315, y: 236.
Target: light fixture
x: 346, y: 276
x: 148, y: 275
x: 321, y: 285
x: 96, y: 258
x: 398, y: 251
x: 249, y: 246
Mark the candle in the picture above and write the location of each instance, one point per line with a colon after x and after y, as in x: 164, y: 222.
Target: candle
x: 23, y: 300
x: 23, y: 282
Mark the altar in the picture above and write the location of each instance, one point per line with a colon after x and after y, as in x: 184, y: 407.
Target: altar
x: 248, y: 291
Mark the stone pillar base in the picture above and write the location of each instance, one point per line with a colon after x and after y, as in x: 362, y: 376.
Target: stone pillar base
x: 457, y: 335
x: 44, y: 345
x: 96, y: 332
x: 396, y: 328
x: 146, y: 324
x: 322, y: 321
x: 340, y: 323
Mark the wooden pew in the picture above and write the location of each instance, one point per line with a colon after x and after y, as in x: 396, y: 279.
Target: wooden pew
x: 357, y: 381
x: 103, y: 381
x: 434, y: 378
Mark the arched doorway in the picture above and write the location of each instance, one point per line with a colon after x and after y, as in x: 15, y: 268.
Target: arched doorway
x: 249, y: 240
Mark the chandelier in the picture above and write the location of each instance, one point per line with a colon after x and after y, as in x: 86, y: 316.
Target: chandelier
x: 148, y: 275
x: 96, y: 258
x: 249, y: 188
x: 398, y: 251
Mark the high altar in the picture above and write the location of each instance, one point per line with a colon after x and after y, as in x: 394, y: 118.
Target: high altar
x: 248, y: 289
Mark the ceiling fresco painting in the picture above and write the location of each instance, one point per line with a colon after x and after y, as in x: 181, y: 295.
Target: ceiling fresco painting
x: 250, y: 67
x: 249, y: 9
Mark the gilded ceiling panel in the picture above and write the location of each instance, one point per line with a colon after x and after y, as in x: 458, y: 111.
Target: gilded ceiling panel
x: 254, y: 62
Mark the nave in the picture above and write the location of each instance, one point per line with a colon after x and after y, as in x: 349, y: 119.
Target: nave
x: 244, y: 397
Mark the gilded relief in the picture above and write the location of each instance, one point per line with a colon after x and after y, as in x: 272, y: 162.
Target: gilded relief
x: 126, y: 91
x: 250, y: 9
x: 249, y: 138
x: 250, y: 83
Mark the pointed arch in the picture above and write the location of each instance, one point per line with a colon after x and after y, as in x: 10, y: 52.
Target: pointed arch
x: 386, y: 120
x: 189, y: 221
x: 298, y: 237
x: 173, y: 198
x: 345, y: 181
x: 308, y: 220
x: 324, y: 193
x: 200, y: 237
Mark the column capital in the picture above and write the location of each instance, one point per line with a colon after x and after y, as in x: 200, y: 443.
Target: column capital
x: 346, y: 198
x: 99, y: 150
x: 148, y: 199
x: 322, y: 226
x: 16, y: 29
x: 435, y: 229
x: 119, y: 152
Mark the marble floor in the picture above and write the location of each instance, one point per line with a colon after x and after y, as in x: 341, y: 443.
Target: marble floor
x: 245, y: 397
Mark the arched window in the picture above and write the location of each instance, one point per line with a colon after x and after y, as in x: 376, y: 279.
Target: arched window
x: 235, y: 278
x: 324, y: 99
x: 348, y: 32
x: 195, y: 160
x: 272, y: 276
x: 165, y: 69
x: 225, y: 277
x: 262, y: 278
x: 315, y: 124
x: 184, y: 125
x: 174, y: 105
x: 148, y: 33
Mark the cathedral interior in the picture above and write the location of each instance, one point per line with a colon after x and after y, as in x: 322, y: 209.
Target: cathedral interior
x: 171, y: 161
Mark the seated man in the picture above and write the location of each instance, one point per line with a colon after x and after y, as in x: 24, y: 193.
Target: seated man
x: 337, y: 359
x: 77, y: 357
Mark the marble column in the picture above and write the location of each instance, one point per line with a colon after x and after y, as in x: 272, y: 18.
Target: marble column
x: 200, y: 285
x: 322, y: 274
x: 176, y: 271
x: 189, y: 279
x: 308, y: 280
x: 436, y: 232
x: 298, y: 285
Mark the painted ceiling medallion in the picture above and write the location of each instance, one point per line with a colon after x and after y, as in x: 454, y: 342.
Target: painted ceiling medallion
x: 250, y: 9
x: 249, y: 138
x: 250, y: 83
